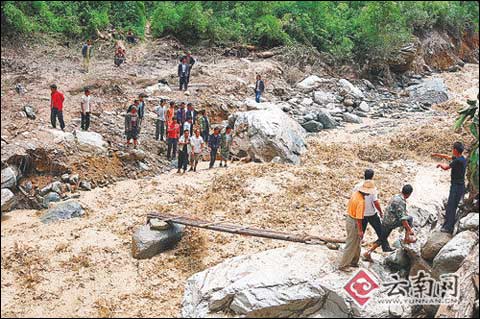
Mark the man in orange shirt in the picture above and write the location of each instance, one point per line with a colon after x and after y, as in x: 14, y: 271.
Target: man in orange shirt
x: 356, y: 210
x: 173, y: 133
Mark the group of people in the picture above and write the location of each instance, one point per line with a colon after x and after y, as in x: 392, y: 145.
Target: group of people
x: 364, y: 208
x: 185, y: 131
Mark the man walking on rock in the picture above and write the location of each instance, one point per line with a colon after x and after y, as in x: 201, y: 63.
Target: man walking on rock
x: 225, y: 145
x: 87, y: 53
x: 190, y: 61
x: 204, y: 125
x: 56, y: 107
x: 173, y: 133
x: 458, y: 167
x: 181, y: 116
x: 161, y: 111
x: 213, y: 145
x: 197, y: 149
x: 184, y: 149
x: 259, y: 88
x: 183, y: 74
x: 354, y: 227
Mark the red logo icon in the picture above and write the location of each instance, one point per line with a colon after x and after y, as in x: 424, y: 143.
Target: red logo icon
x: 361, y: 287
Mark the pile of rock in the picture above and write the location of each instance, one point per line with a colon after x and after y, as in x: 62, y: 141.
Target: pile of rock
x: 10, y: 177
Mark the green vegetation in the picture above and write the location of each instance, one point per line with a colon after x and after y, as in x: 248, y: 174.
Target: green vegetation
x: 361, y: 29
x: 469, y: 118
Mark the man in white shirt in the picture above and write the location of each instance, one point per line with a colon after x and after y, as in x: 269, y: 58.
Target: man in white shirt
x: 86, y: 109
x: 372, y: 205
x: 161, y: 111
x: 184, y: 149
x: 197, y: 144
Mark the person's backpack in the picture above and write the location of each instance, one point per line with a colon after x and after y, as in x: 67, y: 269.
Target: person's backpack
x: 84, y: 50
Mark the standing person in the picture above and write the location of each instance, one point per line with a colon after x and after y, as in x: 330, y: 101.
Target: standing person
x: 87, y: 53
x: 204, y: 125
x: 181, y: 116
x: 356, y: 210
x: 170, y: 112
x: 86, y: 109
x: 225, y: 144
x: 372, y: 206
x: 213, y: 145
x: 131, y: 125
x: 56, y: 107
x: 259, y: 88
x: 120, y: 56
x: 183, y: 74
x: 190, y: 61
x: 458, y: 167
x: 141, y: 110
x: 184, y: 149
x: 173, y: 133
x: 191, y: 116
x: 395, y: 217
x: 197, y: 149
x: 161, y: 111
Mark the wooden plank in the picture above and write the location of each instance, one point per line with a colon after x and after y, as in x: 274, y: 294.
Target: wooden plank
x: 243, y: 230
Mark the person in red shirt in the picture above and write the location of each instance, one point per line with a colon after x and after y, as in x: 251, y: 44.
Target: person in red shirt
x: 56, y: 107
x: 173, y: 133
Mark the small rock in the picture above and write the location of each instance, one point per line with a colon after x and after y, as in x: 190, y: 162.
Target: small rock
x: 312, y: 126
x: 57, y: 187
x: 364, y: 107
x: 147, y: 243
x: 434, y: 243
x: 398, y: 260
x: 49, y: 198
x: 157, y: 224
x: 64, y: 210
x: 351, y: 118
x: 351, y: 89
x: 29, y: 111
x: 8, y: 200
x: 65, y: 178
x: 9, y: 177
x: 74, y: 179
x: 86, y: 185
x: 327, y: 120
x: 348, y: 102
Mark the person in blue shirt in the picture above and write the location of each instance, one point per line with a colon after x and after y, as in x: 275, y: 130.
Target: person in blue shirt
x: 458, y: 167
x: 213, y: 145
x: 181, y: 116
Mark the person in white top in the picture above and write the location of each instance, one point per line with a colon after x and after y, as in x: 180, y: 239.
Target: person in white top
x: 161, y: 111
x: 184, y: 149
x: 86, y: 109
x: 198, y: 145
x: 372, y: 206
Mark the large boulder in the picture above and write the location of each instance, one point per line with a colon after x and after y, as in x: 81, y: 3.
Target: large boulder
x: 29, y: 111
x: 65, y: 210
x: 90, y: 142
x: 451, y: 256
x: 8, y: 200
x: 310, y: 82
x: 147, y: 242
x: 469, y: 222
x: 351, y: 89
x: 157, y: 89
x: 434, y: 243
x: 266, y: 134
x: 9, y: 177
x: 430, y: 91
x: 351, y: 118
x: 50, y: 198
x: 297, y: 281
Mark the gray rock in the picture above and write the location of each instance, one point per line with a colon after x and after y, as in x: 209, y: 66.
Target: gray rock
x: 74, y: 179
x: 323, y: 98
x: 435, y: 242
x: 265, y: 134
x: 326, y: 119
x: 8, y: 200
x: 9, y: 177
x: 63, y: 210
x: 29, y: 111
x: 364, y: 107
x: 293, y: 282
x: 309, y: 117
x: 430, y: 91
x: 351, y: 118
x: 351, y: 89
x: 133, y: 155
x: 86, y: 185
x: 307, y: 102
x: 469, y: 222
x: 312, y: 126
x: 310, y: 83
x: 49, y: 198
x: 147, y: 243
x: 65, y: 178
x: 450, y: 257
x: 57, y: 187
x: 398, y: 260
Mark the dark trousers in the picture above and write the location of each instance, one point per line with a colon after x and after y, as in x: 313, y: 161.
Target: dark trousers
x: 159, y: 129
x: 85, y: 124
x: 183, y: 82
x: 54, y: 114
x: 213, y: 156
x: 456, y: 194
x: 182, y: 160
x: 205, y: 136
x: 387, y: 230
x: 377, y: 226
x: 172, y: 146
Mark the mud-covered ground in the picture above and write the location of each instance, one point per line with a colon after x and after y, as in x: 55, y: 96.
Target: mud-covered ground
x: 83, y: 267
